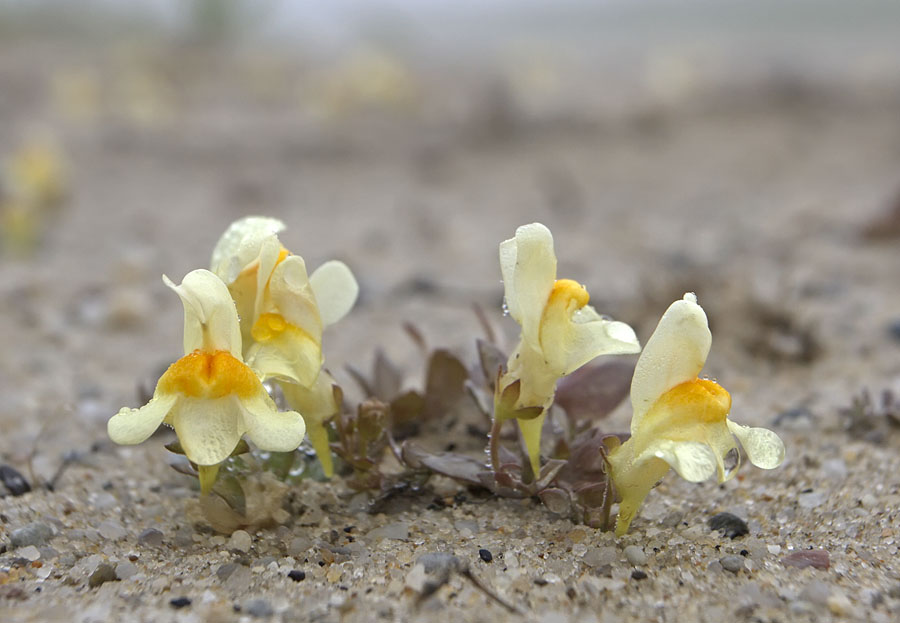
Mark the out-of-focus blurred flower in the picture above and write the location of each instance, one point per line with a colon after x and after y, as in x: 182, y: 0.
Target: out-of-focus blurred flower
x: 368, y: 80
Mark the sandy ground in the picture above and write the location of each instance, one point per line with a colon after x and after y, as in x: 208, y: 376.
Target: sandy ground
x: 755, y: 203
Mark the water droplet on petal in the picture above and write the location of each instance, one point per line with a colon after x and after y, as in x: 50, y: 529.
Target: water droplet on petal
x: 731, y: 462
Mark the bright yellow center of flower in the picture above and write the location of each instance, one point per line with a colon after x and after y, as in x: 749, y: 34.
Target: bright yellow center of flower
x: 692, y: 411
x: 268, y: 327
x: 697, y: 400
x: 567, y: 293
x: 209, y: 375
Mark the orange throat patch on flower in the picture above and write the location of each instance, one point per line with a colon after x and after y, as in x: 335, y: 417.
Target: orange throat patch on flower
x: 209, y: 375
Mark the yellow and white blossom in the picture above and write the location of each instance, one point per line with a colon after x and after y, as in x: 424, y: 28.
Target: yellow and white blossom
x: 210, y: 396
x: 560, y: 331
x: 282, y: 309
x: 680, y: 420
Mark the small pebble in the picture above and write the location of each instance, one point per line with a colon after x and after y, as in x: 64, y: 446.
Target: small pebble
x: 30, y: 553
x: 637, y: 574
x: 240, y: 540
x: 600, y: 556
x: 812, y: 499
x: 635, y: 555
x: 14, y: 482
x: 259, y: 608
x: 486, y: 555
x: 35, y: 533
x: 104, y: 573
x: 734, y: 564
x: 398, y: 530
x: 180, y: 602
x: 125, y: 570
x: 816, y: 558
x: 297, y: 575
x: 112, y: 530
x: 151, y: 537
x: 729, y: 525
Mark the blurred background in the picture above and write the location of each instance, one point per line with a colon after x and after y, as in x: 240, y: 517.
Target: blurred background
x: 746, y: 151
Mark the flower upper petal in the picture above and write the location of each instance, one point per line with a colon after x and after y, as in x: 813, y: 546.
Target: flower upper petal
x: 528, y: 266
x: 210, y: 318
x: 694, y: 461
x: 674, y: 354
x: 293, y: 297
x: 208, y: 429
x: 335, y: 290
x: 763, y: 447
x: 587, y: 336
x: 240, y: 244
x: 131, y: 426
x: 291, y: 355
x: 270, y: 429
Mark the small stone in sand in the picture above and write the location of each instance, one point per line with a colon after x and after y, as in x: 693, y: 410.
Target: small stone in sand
x: 486, y: 555
x: 259, y: 608
x: 635, y: 555
x: 104, y: 572
x: 637, y: 574
x: 35, y: 533
x: 729, y: 525
x: 816, y: 558
x: 125, y: 570
x: 14, y: 482
x: 180, y: 602
x: 734, y: 564
x: 112, y: 530
x: 30, y: 553
x: 398, y: 530
x: 240, y: 540
x: 297, y: 575
x: 151, y: 537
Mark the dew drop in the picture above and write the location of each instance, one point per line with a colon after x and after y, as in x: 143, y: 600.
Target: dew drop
x: 731, y: 462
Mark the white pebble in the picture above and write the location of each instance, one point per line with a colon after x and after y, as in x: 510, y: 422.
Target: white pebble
x: 29, y: 553
x: 635, y: 555
x: 240, y: 540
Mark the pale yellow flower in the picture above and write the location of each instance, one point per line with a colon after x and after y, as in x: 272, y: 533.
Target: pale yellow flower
x: 680, y: 421
x: 282, y: 310
x: 210, y: 396
x: 35, y: 175
x: 560, y: 331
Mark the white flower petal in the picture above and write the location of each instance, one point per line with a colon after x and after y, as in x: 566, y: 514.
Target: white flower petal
x: 335, y: 290
x: 210, y: 318
x: 293, y: 296
x: 763, y: 447
x: 131, y: 426
x: 240, y: 244
x: 528, y: 266
x: 589, y: 336
x: 675, y: 353
x: 269, y: 251
x: 208, y: 430
x: 694, y: 461
x: 293, y: 355
x: 270, y: 429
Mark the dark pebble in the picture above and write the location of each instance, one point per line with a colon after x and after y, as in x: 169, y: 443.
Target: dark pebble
x: 14, y: 482
x: 102, y: 574
x: 297, y: 575
x: 637, y: 574
x: 894, y: 330
x: 729, y: 525
x: 486, y: 555
x: 151, y: 536
x: 180, y: 602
